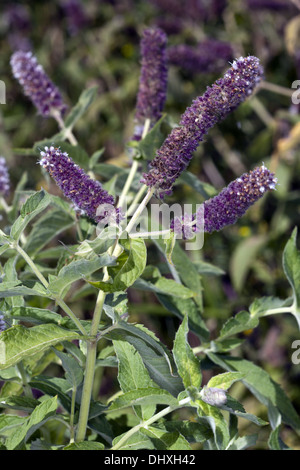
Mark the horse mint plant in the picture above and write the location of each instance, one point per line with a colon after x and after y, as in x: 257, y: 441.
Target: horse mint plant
x: 149, y: 268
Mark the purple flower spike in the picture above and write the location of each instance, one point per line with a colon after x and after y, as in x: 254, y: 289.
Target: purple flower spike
x: 87, y: 194
x: 36, y: 84
x: 228, y: 206
x: 153, y: 80
x: 218, y: 101
x: 4, y: 178
x: 209, y: 56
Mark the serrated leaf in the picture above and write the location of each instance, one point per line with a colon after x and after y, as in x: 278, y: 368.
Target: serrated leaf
x: 143, y: 396
x: 242, y: 321
x: 133, y: 375
x: 155, y: 356
x: 73, y: 371
x: 37, y: 418
x: 151, y: 141
x: 85, y: 100
x: 291, y: 266
x: 188, y: 365
x: 30, y: 209
x: 19, y: 342
x: 131, y: 264
x: 261, y: 385
x: 225, y: 380
x: 45, y: 229
x: 76, y: 270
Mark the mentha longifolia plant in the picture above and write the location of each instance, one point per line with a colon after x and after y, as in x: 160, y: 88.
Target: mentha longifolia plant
x: 42, y: 321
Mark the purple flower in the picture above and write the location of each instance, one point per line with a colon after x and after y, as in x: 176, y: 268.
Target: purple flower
x: 4, y: 178
x: 231, y: 204
x: 218, y: 101
x: 153, y: 80
x: 209, y: 56
x: 87, y: 194
x: 2, y: 323
x: 36, y: 84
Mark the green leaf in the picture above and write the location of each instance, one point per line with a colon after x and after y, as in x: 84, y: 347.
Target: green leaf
x: 53, y: 386
x: 212, y: 416
x: 188, y: 365
x: 131, y: 264
x: 164, y: 440
x: 45, y: 229
x: 143, y: 396
x: 73, y: 371
x: 291, y: 266
x: 166, y: 286
x: 25, y: 404
x: 225, y: 380
x: 136, y: 442
x: 261, y: 385
x: 155, y: 356
x: 13, y: 288
x: 242, y: 443
x: 76, y: 270
x: 85, y: 100
x: 133, y: 375
x: 205, y: 189
x: 37, y: 418
x: 243, y: 257
x: 85, y: 445
x: 242, y: 321
x: 30, y: 209
x: 151, y: 141
x: 18, y: 342
x: 275, y: 442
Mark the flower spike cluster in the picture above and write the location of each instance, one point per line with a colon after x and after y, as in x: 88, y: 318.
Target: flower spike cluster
x: 153, y: 80
x: 87, y: 194
x: 219, y: 100
x: 4, y: 178
x: 36, y: 84
x: 230, y: 204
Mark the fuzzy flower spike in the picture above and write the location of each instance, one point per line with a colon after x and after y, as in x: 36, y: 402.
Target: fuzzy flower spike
x: 219, y: 100
x: 230, y: 204
x: 153, y: 80
x: 86, y: 194
x: 4, y: 178
x: 36, y: 84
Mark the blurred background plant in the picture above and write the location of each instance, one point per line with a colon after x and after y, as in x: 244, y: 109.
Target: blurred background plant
x: 96, y: 42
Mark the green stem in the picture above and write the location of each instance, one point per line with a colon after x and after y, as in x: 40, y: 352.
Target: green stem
x: 133, y: 169
x: 139, y: 210
x: 150, y: 421
x: 68, y: 133
x: 22, y: 372
x: 136, y: 200
x: 281, y: 90
x: 89, y: 369
x: 72, y: 413
x: 45, y: 283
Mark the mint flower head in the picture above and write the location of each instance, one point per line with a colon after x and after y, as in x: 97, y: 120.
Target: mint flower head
x: 153, y: 79
x: 36, y: 84
x: 219, y: 100
x: 4, y: 178
x: 229, y: 205
x: 87, y: 194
